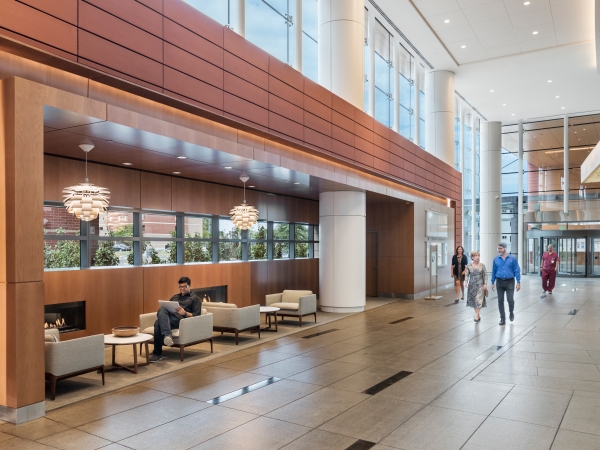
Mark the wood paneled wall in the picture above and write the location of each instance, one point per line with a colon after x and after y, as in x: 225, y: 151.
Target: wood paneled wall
x: 179, y: 53
x: 117, y: 296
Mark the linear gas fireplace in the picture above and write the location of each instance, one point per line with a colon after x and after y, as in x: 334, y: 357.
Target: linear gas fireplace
x: 67, y: 317
x: 211, y: 294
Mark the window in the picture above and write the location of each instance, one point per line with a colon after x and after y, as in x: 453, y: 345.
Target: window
x: 366, y: 60
x: 467, y: 181
x: 457, y: 155
x: 218, y: 10
x: 268, y: 25
x: 310, y: 34
x: 422, y: 106
x: 133, y: 238
x: 383, y: 75
x: 407, y: 94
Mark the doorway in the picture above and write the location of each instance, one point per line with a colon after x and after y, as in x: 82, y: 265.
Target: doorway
x: 572, y: 254
x: 533, y: 256
x: 371, y: 264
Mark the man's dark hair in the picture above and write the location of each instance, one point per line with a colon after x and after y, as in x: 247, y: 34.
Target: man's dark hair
x: 185, y: 280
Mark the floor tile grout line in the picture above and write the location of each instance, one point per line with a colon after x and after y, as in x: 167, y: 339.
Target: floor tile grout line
x: 562, y: 418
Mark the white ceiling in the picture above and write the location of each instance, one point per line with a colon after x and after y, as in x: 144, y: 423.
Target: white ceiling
x: 482, y: 29
x: 519, y: 80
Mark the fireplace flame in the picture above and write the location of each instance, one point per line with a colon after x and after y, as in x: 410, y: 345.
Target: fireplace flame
x: 59, y: 323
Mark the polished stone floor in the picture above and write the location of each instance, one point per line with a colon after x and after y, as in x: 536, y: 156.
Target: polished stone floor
x: 412, y: 374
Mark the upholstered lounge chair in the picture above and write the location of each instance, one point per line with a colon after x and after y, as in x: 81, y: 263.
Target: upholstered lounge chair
x: 228, y: 318
x: 71, y: 358
x: 191, y: 331
x: 294, y: 303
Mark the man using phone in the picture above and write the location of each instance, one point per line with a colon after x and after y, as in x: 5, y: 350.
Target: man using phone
x: 189, y: 306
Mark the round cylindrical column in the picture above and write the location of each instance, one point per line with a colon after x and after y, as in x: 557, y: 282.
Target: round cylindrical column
x: 566, y: 167
x: 342, y: 252
x: 491, y: 191
x: 341, y: 47
x: 439, y: 117
x: 520, y: 231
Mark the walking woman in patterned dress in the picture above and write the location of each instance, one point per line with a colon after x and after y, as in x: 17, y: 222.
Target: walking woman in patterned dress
x: 476, y: 283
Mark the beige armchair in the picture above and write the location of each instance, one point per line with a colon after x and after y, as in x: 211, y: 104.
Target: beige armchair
x: 294, y: 303
x: 71, y: 358
x: 228, y: 318
x: 191, y: 331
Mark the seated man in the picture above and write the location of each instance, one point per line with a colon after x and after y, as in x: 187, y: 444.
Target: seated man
x: 189, y: 306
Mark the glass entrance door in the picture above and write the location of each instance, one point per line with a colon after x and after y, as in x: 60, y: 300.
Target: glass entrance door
x: 595, y: 257
x: 571, y: 253
x: 533, y: 256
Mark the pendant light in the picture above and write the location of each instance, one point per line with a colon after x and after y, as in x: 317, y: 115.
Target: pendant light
x: 85, y: 201
x: 244, y: 216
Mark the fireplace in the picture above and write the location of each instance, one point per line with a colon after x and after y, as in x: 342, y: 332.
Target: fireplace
x: 211, y: 294
x: 67, y: 317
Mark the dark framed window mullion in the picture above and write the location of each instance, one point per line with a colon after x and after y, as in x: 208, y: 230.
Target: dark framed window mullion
x: 292, y: 242
x: 269, y: 240
x: 215, y: 239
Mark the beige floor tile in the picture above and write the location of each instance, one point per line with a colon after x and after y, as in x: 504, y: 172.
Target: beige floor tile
x: 372, y: 419
x: 451, y: 367
x: 571, y: 374
x: 328, y: 373
x: 190, y: 430
x: 502, y: 434
x: 74, y: 440
x: 34, y: 430
x: 262, y: 433
x: 269, y: 398
x: 571, y: 440
x: 364, y: 379
x: 105, y: 405
x: 317, y: 408
x: 5, y: 436
x: 335, y: 351
x: 582, y: 415
x: 289, y: 367
x: 533, y: 406
x: 408, y: 363
x: 222, y: 387
x: 473, y: 397
x: 17, y: 443
x: 318, y: 439
x: 418, y: 388
x: 451, y: 430
x: 134, y: 421
x: 254, y: 361
x: 192, y: 380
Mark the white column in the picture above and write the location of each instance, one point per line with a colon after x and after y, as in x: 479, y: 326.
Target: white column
x: 298, y: 36
x: 520, y: 232
x: 566, y: 168
x: 439, y: 119
x: 491, y: 191
x: 341, y: 47
x: 237, y: 12
x: 342, y: 252
x: 473, y: 182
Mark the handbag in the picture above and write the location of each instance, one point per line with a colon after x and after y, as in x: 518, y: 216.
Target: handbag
x: 485, y: 291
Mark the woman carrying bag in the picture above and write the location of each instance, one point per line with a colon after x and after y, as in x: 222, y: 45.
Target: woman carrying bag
x: 476, y: 277
x: 459, y: 261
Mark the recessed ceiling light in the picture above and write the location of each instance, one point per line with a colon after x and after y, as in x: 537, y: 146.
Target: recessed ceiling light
x: 127, y: 164
x: 562, y: 107
x: 558, y: 96
x: 296, y: 183
x: 549, y: 81
x: 576, y: 132
x: 176, y: 173
x: 251, y: 186
x: 464, y: 46
x: 228, y: 167
x: 491, y: 90
x: 512, y: 114
x: 446, y: 21
x: 526, y: 3
x: 182, y: 157
x: 503, y: 104
x: 535, y: 32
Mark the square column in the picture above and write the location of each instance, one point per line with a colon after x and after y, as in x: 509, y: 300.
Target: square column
x: 491, y: 191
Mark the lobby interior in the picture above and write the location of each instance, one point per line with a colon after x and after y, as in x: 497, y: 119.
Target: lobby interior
x: 356, y: 184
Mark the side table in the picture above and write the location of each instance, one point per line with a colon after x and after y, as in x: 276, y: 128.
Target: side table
x: 139, y: 338
x: 270, y: 311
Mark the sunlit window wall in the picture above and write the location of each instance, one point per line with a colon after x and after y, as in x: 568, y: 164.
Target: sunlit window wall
x: 310, y: 35
x: 366, y: 60
x: 219, y: 10
x: 383, y: 75
x: 407, y: 93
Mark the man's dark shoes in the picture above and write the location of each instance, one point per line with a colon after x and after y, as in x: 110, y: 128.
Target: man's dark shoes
x: 502, y: 322
x: 155, y: 358
x: 512, y: 317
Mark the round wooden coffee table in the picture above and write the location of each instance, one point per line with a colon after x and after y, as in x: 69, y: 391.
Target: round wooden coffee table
x: 270, y: 311
x: 139, y: 338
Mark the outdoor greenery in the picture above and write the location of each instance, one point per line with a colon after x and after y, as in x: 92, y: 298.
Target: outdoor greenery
x: 258, y: 250
x: 62, y: 254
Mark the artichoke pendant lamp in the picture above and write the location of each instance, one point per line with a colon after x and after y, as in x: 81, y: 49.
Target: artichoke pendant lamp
x: 244, y: 216
x: 86, y: 201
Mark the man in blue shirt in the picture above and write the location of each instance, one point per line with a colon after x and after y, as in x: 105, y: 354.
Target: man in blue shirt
x: 505, y: 270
